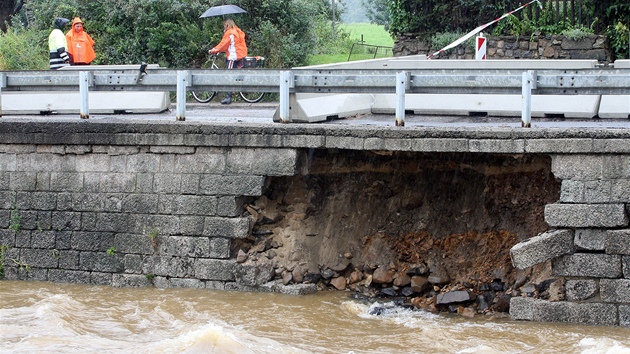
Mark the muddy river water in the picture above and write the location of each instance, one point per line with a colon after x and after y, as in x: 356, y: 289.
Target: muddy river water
x: 42, y: 317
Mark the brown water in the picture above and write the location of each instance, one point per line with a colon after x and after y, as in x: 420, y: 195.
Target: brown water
x: 40, y: 317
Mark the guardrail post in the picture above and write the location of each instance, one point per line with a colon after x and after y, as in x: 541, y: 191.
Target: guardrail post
x: 402, y: 81
x: 84, y: 82
x: 528, y: 84
x: 182, y: 78
x: 286, y: 81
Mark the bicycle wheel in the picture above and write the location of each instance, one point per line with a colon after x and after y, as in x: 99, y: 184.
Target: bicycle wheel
x: 203, y: 96
x: 252, y: 97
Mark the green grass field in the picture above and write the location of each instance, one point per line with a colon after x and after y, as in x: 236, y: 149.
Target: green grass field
x: 376, y: 41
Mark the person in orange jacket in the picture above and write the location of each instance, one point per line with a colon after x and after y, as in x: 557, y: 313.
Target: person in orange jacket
x: 233, y: 44
x: 80, y: 44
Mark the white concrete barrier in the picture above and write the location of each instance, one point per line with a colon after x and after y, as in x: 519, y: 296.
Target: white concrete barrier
x: 319, y: 107
x: 100, y: 102
x: 616, y: 106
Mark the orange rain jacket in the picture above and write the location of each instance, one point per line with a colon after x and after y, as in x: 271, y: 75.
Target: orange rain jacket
x: 233, y: 44
x: 80, y: 45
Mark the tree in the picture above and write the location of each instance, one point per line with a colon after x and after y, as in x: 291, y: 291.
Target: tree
x: 376, y: 11
x: 8, y: 8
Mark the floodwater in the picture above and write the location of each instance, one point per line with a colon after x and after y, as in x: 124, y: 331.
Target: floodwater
x: 42, y: 317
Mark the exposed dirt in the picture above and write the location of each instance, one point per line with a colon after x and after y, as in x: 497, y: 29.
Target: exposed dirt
x: 450, y: 217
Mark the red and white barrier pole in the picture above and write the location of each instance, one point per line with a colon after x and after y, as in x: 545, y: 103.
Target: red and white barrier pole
x: 480, y: 52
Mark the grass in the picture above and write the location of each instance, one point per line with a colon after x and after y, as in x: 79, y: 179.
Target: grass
x: 372, y: 36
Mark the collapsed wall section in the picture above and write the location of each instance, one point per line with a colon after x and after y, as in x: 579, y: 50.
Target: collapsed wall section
x: 588, y: 252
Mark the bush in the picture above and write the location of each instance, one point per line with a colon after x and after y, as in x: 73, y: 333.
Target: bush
x: 23, y: 49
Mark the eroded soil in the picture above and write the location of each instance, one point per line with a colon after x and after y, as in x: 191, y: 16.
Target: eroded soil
x: 450, y: 217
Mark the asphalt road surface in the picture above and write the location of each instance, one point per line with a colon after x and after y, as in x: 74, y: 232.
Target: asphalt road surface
x: 263, y: 112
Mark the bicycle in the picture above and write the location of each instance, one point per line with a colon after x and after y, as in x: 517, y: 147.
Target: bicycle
x: 251, y: 97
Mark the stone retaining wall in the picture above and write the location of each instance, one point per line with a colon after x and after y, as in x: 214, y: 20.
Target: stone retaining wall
x: 511, y: 47
x: 130, y: 215
x: 137, y: 204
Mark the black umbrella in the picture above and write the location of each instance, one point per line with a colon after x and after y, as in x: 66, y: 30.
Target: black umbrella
x: 222, y: 10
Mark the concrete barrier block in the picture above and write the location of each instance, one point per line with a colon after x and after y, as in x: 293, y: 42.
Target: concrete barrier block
x: 311, y: 108
x: 615, y: 290
x: 615, y: 106
x: 541, y: 248
x: 587, y: 265
x: 617, y: 242
x: 586, y: 215
x: 584, y: 106
x: 69, y: 102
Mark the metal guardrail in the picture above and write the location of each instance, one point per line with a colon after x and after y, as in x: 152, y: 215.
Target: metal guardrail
x: 604, y: 81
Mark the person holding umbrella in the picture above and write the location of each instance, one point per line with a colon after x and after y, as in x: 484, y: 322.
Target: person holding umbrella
x: 233, y: 44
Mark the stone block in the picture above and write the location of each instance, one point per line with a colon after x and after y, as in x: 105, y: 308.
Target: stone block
x: 303, y: 141
x: 68, y: 276
x: 231, y: 185
x: 184, y: 246
x: 143, y: 163
x: 219, y: 248
x: 191, y: 225
x: 256, y: 140
x: 167, y: 266
x: 165, y: 224
x: 578, y: 166
x: 227, y: 227
x: 265, y: 162
x: 117, y: 183
x: 253, y: 274
x: 134, y: 244
x: 22, y: 181
x: 130, y: 281
x: 617, y: 242
x: 103, y: 279
x: 440, y: 145
x: 587, y: 265
x: 214, y: 269
x: 133, y: 263
x: 210, y: 161
x: 8, y: 162
x: 39, y: 258
x: 92, y: 241
x: 101, y: 262
x: 586, y: 215
x: 590, y: 239
x: 598, y: 191
x: 541, y: 248
x: 167, y: 183
x: 43, y: 239
x: 194, y: 205
x: 92, y: 163
x: 522, y: 308
x: 43, y: 201
x: 580, y: 289
x: 511, y: 146
x: 91, y: 202
x: 229, y: 206
x: 66, y: 182
x: 615, y: 290
x: 562, y: 145
x: 624, y: 315
x: 190, y: 184
x: 572, y: 191
x: 571, y: 312
x: 187, y: 283
x: 68, y: 259
x: 7, y: 238
x: 625, y: 266
x: 139, y: 203
x: 112, y: 222
x: 343, y: 142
